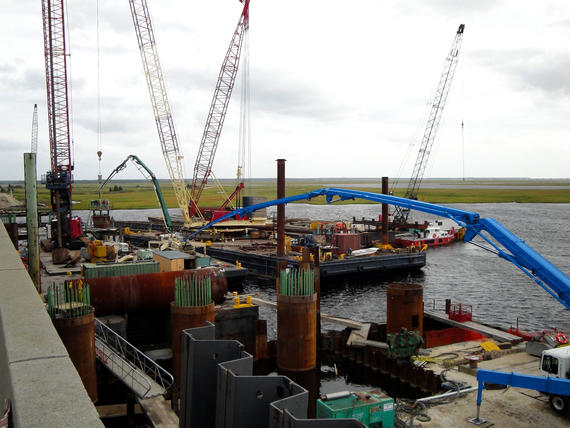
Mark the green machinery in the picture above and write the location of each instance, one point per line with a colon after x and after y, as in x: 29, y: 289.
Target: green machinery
x: 155, y: 184
x: 404, y: 344
x: 373, y: 408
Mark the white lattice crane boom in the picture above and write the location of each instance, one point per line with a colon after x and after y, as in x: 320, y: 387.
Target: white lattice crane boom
x: 160, y: 103
x: 437, y: 105
x: 35, y: 129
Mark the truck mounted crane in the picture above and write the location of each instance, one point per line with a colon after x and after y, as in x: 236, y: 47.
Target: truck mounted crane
x: 59, y: 179
x: 160, y: 103
x: 217, y: 114
x: 436, y: 112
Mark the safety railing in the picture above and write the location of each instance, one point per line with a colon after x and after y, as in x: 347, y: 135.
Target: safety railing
x: 132, y: 366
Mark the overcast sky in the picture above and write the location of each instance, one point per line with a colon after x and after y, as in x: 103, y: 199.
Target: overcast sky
x: 338, y: 88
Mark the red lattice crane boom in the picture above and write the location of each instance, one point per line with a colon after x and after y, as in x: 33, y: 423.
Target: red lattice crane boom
x: 218, y: 109
x: 58, y: 179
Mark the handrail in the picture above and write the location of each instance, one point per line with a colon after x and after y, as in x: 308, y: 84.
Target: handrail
x: 135, y: 360
x: 105, y: 353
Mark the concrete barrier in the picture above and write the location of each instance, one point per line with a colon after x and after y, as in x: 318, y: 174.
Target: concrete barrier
x: 36, y: 373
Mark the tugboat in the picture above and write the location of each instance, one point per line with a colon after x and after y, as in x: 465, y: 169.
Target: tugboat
x: 431, y: 236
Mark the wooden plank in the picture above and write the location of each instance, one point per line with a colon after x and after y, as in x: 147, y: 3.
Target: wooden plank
x: 357, y: 337
x: 159, y: 412
x: 502, y: 336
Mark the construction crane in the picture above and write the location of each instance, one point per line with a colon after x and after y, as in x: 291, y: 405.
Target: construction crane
x: 160, y: 103
x: 35, y: 129
x: 59, y: 179
x: 437, y: 105
x: 217, y: 112
x: 141, y: 167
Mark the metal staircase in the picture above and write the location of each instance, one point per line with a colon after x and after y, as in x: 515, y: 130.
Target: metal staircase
x: 137, y: 371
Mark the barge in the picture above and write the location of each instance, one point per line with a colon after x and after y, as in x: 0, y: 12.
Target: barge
x: 264, y: 265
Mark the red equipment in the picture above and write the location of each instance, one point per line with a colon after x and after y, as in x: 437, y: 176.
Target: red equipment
x: 58, y: 180
x: 460, y: 312
x: 217, y: 113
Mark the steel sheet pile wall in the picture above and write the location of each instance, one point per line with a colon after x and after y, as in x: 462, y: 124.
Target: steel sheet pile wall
x: 223, y: 392
x: 192, y: 307
x: 373, y: 360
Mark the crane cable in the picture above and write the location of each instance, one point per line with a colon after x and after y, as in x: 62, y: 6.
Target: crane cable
x: 463, y: 118
x: 99, y: 145
x: 69, y: 83
x: 244, y: 149
x: 415, y: 138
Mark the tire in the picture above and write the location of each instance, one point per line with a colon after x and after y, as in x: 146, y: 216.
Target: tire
x: 559, y: 403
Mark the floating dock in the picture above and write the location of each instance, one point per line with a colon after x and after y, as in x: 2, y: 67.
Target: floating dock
x: 264, y: 264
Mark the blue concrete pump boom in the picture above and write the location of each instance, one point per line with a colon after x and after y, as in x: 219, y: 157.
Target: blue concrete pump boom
x: 544, y: 273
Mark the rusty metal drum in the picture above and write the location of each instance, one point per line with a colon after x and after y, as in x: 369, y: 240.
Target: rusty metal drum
x: 296, y: 332
x: 78, y: 336
x: 404, y: 307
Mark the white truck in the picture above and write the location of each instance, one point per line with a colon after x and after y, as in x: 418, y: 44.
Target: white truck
x: 556, y: 363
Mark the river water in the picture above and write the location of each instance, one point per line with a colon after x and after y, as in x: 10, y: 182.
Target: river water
x: 499, y: 292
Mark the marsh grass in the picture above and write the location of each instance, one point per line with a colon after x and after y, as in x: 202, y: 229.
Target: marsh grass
x: 140, y: 194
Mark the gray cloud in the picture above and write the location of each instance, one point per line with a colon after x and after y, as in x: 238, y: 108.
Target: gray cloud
x: 184, y: 78
x: 117, y: 115
x: 26, y: 80
x: 281, y: 96
x: 8, y: 145
x: 465, y: 6
x: 270, y: 94
x: 6, y: 68
x: 562, y: 23
x: 532, y: 68
x: 450, y: 5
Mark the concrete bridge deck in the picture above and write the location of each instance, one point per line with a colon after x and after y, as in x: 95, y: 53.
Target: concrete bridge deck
x: 36, y: 373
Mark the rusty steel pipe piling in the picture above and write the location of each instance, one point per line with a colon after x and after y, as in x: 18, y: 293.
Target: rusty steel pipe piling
x: 280, y: 208
x: 385, y: 191
x: 78, y: 336
x: 404, y: 307
x: 297, y: 321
